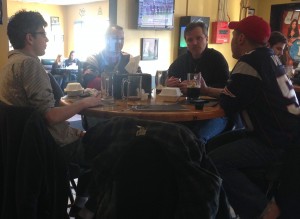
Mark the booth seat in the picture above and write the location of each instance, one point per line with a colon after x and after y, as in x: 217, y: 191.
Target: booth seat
x: 47, y: 63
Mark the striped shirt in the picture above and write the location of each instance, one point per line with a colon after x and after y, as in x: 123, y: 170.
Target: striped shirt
x: 24, y: 82
x: 259, y: 88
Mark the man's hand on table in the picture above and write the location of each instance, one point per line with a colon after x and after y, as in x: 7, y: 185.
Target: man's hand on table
x: 176, y: 82
x: 92, y: 101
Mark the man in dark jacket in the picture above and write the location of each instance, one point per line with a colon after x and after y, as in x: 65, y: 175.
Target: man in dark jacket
x: 110, y: 60
x: 213, y: 67
x: 259, y: 89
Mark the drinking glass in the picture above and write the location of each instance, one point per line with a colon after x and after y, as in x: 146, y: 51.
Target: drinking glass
x: 193, y: 85
x: 160, y: 79
x: 132, y: 87
x: 106, y: 86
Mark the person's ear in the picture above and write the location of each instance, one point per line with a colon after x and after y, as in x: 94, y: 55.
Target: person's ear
x: 241, y: 38
x: 29, y: 39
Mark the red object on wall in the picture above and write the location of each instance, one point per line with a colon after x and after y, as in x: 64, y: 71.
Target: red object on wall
x: 220, y: 32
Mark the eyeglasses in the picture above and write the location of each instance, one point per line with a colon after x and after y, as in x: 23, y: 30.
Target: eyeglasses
x: 43, y: 33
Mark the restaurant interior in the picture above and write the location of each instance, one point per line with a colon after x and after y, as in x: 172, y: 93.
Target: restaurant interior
x: 66, y: 22
x: 81, y: 26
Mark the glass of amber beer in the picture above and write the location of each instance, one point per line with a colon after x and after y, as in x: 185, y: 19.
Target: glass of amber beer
x: 193, y: 85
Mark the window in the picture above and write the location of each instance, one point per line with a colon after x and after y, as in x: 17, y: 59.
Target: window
x: 89, y: 37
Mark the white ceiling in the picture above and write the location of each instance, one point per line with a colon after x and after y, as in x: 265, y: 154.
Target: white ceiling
x: 60, y: 2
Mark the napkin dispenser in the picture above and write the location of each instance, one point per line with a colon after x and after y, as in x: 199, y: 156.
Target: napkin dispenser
x: 117, y: 82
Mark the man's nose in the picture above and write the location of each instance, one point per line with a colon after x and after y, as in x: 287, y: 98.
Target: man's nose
x: 194, y: 41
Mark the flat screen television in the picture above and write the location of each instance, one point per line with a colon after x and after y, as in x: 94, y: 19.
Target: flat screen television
x: 182, y: 42
x: 155, y: 14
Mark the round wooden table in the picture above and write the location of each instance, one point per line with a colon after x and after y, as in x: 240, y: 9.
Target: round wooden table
x: 122, y: 108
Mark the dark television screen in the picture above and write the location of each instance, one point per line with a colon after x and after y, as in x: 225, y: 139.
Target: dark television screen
x: 156, y: 14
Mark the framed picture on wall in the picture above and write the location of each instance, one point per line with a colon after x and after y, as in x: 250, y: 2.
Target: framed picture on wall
x: 149, y: 48
x: 54, y: 20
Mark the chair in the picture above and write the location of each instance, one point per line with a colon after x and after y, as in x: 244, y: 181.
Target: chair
x: 148, y: 169
x: 33, y: 180
x: 80, y: 72
x: 57, y: 91
x: 74, y: 171
x: 47, y: 63
x: 161, y: 77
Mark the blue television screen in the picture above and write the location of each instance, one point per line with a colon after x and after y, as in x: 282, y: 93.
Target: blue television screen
x: 155, y: 14
x: 182, y: 42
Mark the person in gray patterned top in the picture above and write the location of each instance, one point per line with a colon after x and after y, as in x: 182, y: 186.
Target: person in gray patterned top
x: 24, y: 82
x: 110, y: 60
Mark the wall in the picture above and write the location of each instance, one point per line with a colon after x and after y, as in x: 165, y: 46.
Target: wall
x: 67, y: 16
x: 45, y: 10
x: 95, y: 10
x: 55, y: 44
x: 133, y: 36
x: 210, y: 9
x: 262, y: 5
x: 168, y: 39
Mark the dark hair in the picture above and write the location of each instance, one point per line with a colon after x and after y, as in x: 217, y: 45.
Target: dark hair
x: 193, y: 25
x: 71, y: 53
x: 296, y: 29
x: 22, y: 23
x: 112, y: 28
x: 277, y: 37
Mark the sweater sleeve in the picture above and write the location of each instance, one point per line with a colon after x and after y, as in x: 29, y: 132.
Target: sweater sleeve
x: 219, y: 71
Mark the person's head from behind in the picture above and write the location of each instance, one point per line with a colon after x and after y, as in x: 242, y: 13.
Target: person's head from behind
x: 25, y: 30
x: 114, y: 38
x: 277, y: 42
x: 196, y: 37
x: 249, y: 33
